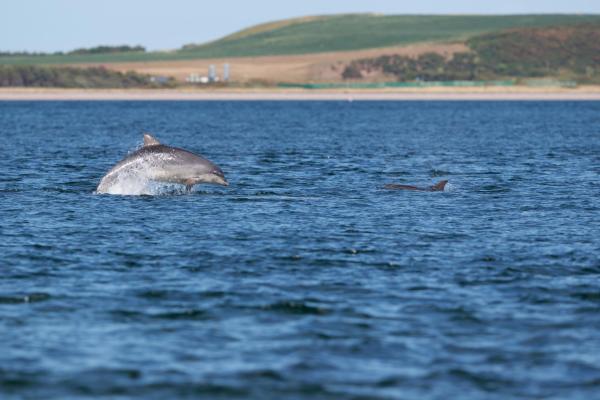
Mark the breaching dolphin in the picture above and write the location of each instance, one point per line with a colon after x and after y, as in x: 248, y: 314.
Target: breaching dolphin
x: 438, y: 187
x: 161, y: 163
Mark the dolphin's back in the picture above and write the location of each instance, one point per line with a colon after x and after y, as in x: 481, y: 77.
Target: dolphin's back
x: 438, y: 187
x: 162, y: 155
x: 167, y: 153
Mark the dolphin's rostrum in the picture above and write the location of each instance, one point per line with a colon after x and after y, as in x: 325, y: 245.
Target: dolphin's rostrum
x: 160, y: 163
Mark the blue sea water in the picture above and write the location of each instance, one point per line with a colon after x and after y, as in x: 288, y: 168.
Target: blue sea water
x: 304, y: 279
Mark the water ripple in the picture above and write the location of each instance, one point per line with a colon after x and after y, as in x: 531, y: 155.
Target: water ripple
x: 303, y: 279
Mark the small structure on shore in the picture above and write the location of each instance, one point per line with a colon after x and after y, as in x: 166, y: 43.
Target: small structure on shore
x: 212, y: 74
x: 212, y: 77
x: 195, y: 78
x: 226, y: 72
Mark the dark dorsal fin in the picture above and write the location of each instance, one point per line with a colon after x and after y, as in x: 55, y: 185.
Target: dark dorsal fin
x: 439, y: 187
x: 150, y: 140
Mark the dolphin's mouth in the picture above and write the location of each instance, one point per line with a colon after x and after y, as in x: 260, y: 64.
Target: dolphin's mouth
x: 220, y: 178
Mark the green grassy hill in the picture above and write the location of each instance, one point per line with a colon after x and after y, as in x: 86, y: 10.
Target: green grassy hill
x: 355, y: 32
x: 326, y: 34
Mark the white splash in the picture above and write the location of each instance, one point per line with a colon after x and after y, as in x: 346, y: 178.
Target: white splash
x: 130, y: 185
x: 136, y: 179
x: 449, y: 187
x: 138, y: 185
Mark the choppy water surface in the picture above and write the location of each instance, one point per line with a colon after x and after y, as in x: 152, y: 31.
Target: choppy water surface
x: 304, y: 278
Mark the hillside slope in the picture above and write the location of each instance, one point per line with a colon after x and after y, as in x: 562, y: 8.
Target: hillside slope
x: 363, y: 31
x: 328, y: 34
x: 569, y: 52
x: 541, y: 51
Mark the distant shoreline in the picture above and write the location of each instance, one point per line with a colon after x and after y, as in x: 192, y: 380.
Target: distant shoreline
x: 433, y: 93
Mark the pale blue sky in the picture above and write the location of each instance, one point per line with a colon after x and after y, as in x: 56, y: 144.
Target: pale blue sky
x: 51, y: 25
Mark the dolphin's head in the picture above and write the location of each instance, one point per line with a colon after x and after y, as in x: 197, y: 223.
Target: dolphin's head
x: 217, y: 176
x: 207, y: 172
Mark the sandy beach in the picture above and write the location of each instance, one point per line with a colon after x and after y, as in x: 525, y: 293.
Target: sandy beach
x: 435, y: 93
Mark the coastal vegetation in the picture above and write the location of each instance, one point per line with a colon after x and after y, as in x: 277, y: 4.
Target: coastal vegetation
x: 72, y: 77
x: 571, y: 52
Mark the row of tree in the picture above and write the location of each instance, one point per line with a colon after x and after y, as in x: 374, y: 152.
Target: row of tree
x: 70, y: 77
x: 91, y: 50
x: 109, y: 49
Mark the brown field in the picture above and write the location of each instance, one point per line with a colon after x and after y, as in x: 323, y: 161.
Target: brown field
x: 306, y: 68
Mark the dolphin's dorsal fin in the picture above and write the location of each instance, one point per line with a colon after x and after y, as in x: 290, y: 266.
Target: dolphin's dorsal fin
x: 150, y: 140
x: 439, y: 187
